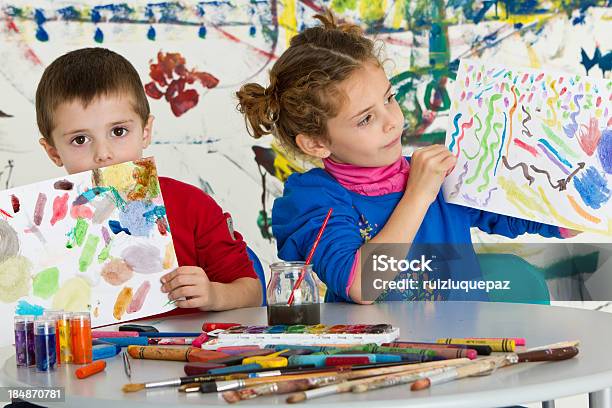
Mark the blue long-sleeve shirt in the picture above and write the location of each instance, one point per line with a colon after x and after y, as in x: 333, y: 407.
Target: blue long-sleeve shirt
x: 299, y: 213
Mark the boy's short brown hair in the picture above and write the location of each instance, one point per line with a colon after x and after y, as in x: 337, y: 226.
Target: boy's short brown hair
x: 84, y: 75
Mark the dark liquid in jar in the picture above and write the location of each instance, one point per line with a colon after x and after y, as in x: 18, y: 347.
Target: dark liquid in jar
x: 297, y: 314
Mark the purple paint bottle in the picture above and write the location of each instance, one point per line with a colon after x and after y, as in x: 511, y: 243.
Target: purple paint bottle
x: 24, y: 341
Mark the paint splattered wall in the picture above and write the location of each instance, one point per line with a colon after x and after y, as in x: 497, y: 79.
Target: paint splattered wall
x: 192, y: 56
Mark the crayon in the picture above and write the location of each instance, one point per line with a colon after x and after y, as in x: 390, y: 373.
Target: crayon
x: 229, y: 360
x: 276, y: 362
x: 215, y: 326
x: 90, y: 369
x: 105, y: 351
x: 444, y: 353
x: 95, y: 334
x: 204, y: 356
x: 137, y: 328
x: 519, y: 341
x: 169, y: 334
x: 314, y: 349
x: 125, y: 341
x: 190, y: 354
x: 238, y: 349
x: 201, y: 339
x: 200, y: 368
x: 346, y: 360
x: 243, y: 368
x: 171, y: 341
x: 409, y: 354
x: 319, y: 360
x: 256, y: 353
x: 295, y: 352
x: 504, y: 345
x: 480, y: 349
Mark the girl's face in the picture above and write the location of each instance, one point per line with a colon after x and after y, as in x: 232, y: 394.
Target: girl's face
x: 368, y: 128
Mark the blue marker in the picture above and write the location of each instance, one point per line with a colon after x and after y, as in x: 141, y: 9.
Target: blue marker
x: 243, y: 368
x: 319, y: 359
x: 126, y: 341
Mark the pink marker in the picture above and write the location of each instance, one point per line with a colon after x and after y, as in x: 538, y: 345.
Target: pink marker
x: 201, y: 339
x: 232, y: 350
x: 96, y: 334
x: 519, y: 341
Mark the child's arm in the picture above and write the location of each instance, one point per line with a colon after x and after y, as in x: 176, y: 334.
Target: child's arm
x: 224, y: 278
x: 297, y: 217
x: 428, y: 168
x: 192, y: 284
x: 512, y: 227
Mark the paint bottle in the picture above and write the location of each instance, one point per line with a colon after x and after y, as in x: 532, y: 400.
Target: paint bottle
x: 80, y: 331
x: 54, y: 315
x: 24, y: 341
x: 64, y: 337
x: 44, y: 339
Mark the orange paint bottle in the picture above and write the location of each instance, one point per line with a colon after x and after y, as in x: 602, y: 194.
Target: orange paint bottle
x: 80, y: 330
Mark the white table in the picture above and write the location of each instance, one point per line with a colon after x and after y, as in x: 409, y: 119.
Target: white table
x: 589, y: 372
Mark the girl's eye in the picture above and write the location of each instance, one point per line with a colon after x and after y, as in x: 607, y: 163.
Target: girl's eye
x: 365, y: 121
x: 79, y: 140
x: 390, y: 98
x: 119, y: 131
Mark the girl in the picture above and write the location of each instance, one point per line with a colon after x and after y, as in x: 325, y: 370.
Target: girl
x: 329, y: 98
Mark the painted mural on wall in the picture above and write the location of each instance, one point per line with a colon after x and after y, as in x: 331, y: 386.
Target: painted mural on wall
x: 193, y: 55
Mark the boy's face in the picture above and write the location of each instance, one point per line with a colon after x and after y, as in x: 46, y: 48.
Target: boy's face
x: 107, y: 131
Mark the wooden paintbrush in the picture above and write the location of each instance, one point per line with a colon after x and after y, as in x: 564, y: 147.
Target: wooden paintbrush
x: 220, y: 386
x: 283, y: 387
x: 486, y: 366
x: 346, y: 386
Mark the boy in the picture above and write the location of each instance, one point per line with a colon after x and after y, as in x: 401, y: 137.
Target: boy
x: 92, y: 112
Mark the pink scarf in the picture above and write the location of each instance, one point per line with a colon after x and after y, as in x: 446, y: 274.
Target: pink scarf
x: 370, y: 181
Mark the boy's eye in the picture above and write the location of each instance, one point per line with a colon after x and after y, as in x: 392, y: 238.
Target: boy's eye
x: 119, y: 131
x: 79, y: 140
x: 365, y: 121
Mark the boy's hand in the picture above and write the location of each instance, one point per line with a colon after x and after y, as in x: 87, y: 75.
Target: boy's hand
x: 189, y: 286
x: 429, y: 167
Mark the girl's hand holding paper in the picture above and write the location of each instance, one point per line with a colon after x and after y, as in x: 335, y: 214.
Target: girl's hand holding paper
x: 429, y: 167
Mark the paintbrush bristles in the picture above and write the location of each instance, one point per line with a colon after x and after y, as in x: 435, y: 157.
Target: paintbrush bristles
x: 297, y: 397
x: 231, y: 397
x: 133, y: 387
x: 420, y: 384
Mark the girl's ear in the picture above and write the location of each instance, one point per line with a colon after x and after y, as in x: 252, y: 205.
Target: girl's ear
x: 312, y: 146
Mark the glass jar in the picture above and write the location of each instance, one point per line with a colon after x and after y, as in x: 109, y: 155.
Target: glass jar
x: 305, y: 308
